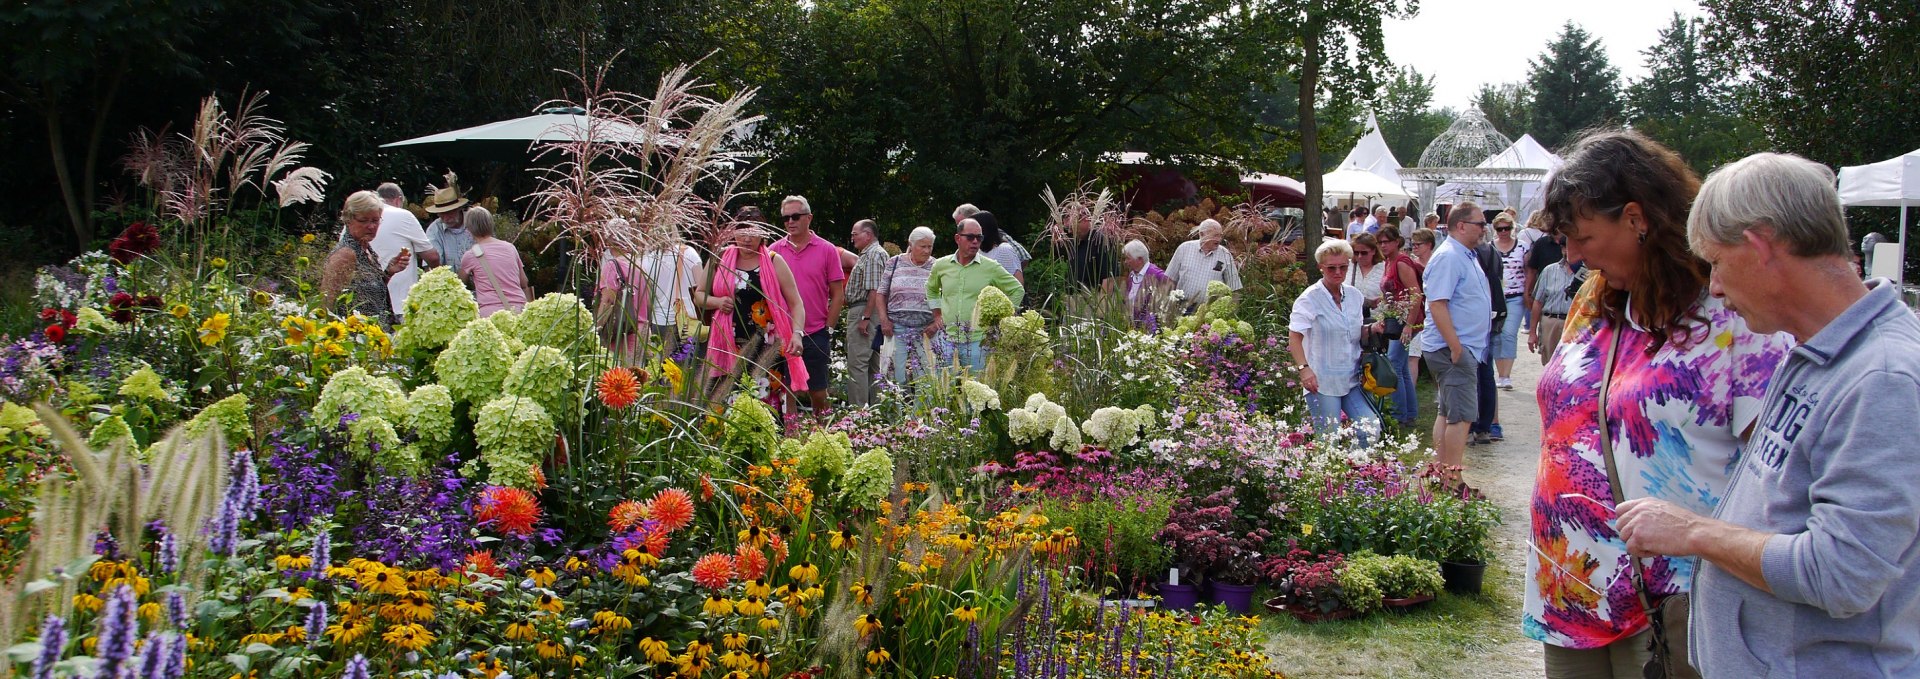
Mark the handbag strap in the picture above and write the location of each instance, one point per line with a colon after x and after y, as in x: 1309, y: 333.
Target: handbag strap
x: 1613, y: 467
x: 486, y: 268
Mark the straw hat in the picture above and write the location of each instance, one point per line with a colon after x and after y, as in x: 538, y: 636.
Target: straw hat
x: 445, y: 199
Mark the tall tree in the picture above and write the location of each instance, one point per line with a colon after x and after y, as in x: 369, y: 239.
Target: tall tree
x: 1574, y: 87
x: 1508, y: 106
x: 1408, y: 119
x: 1685, y: 101
x: 1838, y: 82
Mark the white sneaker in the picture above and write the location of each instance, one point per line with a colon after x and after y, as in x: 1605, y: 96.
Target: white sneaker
x: 1504, y: 383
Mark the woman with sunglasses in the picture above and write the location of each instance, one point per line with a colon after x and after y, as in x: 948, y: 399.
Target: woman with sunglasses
x: 1367, y: 272
x: 1324, y: 333
x: 750, y: 294
x: 1400, y: 286
x: 1513, y: 280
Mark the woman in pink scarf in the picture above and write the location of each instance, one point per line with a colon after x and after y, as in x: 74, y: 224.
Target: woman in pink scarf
x: 734, y: 288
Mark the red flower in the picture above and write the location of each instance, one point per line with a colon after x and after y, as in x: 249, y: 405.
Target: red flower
x: 122, y: 316
x: 619, y: 388
x: 713, y: 571
x: 656, y: 543
x: 749, y: 563
x: 706, y: 484
x: 49, y: 313
x: 150, y: 301
x: 56, y: 334
x: 121, y: 300
x: 673, y: 508
x: 482, y: 562
x: 510, y: 510
x: 626, y: 515
x: 67, y: 319
x: 139, y: 239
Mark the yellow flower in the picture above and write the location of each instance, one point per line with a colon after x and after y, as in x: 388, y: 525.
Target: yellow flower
x: 758, y: 587
x: 87, y: 602
x: 150, y: 612
x: 180, y: 311
x: 840, y: 538
x: 347, y: 631
x: 292, y: 562
x: 609, y: 621
x: 549, y: 649
x: 214, y: 329
x: 655, y: 650
x: 542, y: 577
x: 475, y: 607
x: 382, y: 580
x: 306, y: 238
x: 550, y: 603
x: 966, y: 614
x: 750, y: 607
x: 295, y: 634
x: 673, y: 374
x: 1306, y: 529
x: 736, y: 660
x: 335, y: 331
x: 862, y: 593
x: 769, y: 623
x: 520, y: 631
x: 261, y: 298
x: 804, y: 571
x: 734, y: 640
x: 258, y: 638
x: 218, y: 263
x: 717, y: 605
x: 410, y: 636
x: 867, y: 624
x: 878, y: 656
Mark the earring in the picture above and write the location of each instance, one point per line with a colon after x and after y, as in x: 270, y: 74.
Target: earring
x: 1643, y: 238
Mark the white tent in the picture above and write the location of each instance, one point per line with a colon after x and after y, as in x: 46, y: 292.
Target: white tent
x: 515, y: 139
x: 1526, y: 197
x: 1372, y: 155
x: 1357, y: 184
x: 1889, y: 183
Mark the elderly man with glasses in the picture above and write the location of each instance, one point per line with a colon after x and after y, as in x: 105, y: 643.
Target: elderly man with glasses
x: 954, y: 287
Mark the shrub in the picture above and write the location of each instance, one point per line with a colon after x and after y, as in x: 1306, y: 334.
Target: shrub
x: 1400, y: 577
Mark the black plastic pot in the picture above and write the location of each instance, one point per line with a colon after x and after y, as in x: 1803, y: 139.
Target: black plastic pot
x: 1463, y: 578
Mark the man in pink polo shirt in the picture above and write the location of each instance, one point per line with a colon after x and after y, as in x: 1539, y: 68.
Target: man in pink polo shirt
x: 823, y: 285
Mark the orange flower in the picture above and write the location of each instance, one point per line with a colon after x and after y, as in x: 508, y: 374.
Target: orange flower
x: 657, y: 543
x: 750, y: 563
x: 713, y: 571
x: 626, y: 515
x: 482, y: 562
x: 511, y: 510
x: 673, y: 508
x: 706, y: 488
x: 619, y: 388
x: 762, y: 316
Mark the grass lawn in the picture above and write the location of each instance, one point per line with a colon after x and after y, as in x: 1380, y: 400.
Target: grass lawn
x: 1451, y: 636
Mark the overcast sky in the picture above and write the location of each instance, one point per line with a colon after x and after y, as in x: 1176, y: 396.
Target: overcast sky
x: 1512, y: 32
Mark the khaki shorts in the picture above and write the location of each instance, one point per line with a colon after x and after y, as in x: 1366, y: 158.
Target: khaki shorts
x: 1459, y: 384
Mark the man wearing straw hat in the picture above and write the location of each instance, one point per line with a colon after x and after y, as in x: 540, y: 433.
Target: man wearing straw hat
x: 448, y: 232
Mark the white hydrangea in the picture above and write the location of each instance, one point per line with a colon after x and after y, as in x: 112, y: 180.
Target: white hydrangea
x: 980, y: 397
x: 1116, y: 428
x: 1023, y: 426
x: 1066, y: 436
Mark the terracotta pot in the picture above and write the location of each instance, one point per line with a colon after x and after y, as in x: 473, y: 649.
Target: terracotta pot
x: 1403, y: 605
x: 1279, y: 605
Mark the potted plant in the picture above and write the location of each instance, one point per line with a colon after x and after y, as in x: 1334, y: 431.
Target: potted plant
x: 1210, y: 542
x: 1466, y: 546
x: 1404, y: 581
x: 1319, y: 587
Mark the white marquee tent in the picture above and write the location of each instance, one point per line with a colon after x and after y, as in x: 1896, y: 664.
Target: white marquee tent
x: 1526, y: 197
x: 1372, y: 155
x: 1889, y: 183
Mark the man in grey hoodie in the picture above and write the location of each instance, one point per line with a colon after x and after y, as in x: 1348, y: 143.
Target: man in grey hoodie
x: 1811, y: 565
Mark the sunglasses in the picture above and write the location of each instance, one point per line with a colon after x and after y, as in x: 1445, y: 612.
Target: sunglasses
x: 1368, y: 253
x: 975, y: 237
x: 1503, y: 228
x: 1481, y: 224
x: 794, y: 217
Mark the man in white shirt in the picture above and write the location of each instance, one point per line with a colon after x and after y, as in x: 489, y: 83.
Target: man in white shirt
x: 399, y: 230
x: 1201, y: 261
x: 671, y: 278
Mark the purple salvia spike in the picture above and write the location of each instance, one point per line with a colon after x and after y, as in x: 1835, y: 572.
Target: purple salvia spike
x: 168, y: 556
x: 322, y: 551
x: 356, y: 668
x: 316, y: 622
x: 177, y: 658
x: 116, y: 629
x: 153, y: 656
x: 177, y: 610
x: 53, y: 642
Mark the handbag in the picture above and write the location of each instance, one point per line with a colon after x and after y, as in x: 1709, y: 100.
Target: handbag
x: 1668, y: 643
x: 880, y: 338
x: 1377, y: 374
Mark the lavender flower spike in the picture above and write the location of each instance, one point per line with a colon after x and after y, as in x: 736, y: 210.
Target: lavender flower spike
x: 118, y: 625
x: 177, y: 610
x: 153, y: 655
x: 316, y: 622
x: 356, y: 668
x: 53, y: 641
x: 322, y: 550
x: 168, y: 557
x: 176, y: 658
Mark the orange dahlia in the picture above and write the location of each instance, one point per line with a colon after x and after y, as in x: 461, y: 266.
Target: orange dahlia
x: 656, y: 543
x: 510, y: 510
x: 482, y: 562
x: 749, y: 563
x: 673, y: 508
x: 619, y: 388
x: 713, y: 571
x: 626, y: 515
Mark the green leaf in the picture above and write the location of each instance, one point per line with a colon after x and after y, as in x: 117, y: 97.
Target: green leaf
x: 23, y: 653
x: 257, y: 647
x: 239, y: 662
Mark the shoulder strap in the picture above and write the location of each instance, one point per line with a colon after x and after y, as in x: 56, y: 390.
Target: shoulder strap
x: 1613, y: 467
x: 487, y: 268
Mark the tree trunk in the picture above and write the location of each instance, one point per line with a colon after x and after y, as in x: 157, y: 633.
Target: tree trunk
x: 89, y: 168
x: 1310, y: 139
x: 57, y: 145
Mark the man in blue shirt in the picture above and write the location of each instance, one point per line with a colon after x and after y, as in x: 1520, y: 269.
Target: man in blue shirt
x: 1455, y: 341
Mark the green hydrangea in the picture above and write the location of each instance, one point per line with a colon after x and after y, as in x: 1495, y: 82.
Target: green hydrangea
x: 109, y: 430
x: 1220, y: 327
x: 508, y: 323
x: 1038, y: 419
x: 543, y: 374
x: 90, y: 320
x: 1113, y: 428
x: 992, y: 306
x: 980, y: 397
x: 373, y: 440
x: 430, y: 416
x: 558, y: 320
x: 868, y: 480
x: 752, y: 433
x: 1217, y: 290
x: 230, y: 414
x: 1026, y: 332
x: 16, y: 417
x: 145, y: 384
x: 475, y: 362
x: 514, y: 434
x: 825, y: 454
x: 438, y: 306
x: 355, y: 391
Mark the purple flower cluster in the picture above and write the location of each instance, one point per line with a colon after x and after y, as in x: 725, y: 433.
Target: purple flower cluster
x: 414, y: 520
x: 53, y: 643
x: 304, y: 484
x: 28, y: 368
x: 316, y: 622
x: 242, y: 498
x: 116, y: 629
x: 163, y: 656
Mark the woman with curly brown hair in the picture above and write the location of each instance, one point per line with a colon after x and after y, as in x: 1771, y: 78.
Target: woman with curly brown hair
x: 1653, y: 385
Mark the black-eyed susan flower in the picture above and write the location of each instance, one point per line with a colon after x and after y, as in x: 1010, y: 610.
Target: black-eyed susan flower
x: 804, y: 572
x: 734, y: 640
x: 655, y: 651
x: 542, y: 576
x: 410, y: 636
x: 867, y: 624
x: 839, y: 539
x: 521, y: 631
x: 966, y: 614
x: 758, y: 587
x: 717, y: 605
x: 347, y: 631
x: 862, y: 593
x: 550, y: 649
x: 736, y: 660
x: 609, y: 622
x: 474, y: 607
x: 878, y: 656
x: 750, y: 607
x: 550, y: 603
x: 769, y: 623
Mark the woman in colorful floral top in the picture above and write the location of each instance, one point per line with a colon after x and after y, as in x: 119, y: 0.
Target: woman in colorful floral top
x: 1687, y: 383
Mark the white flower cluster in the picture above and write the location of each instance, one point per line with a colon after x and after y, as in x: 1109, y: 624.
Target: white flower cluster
x: 1147, y: 361
x: 1116, y: 428
x: 1041, y: 418
x: 980, y: 397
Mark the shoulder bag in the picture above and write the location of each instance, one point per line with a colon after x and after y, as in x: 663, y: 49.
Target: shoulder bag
x: 1668, y: 643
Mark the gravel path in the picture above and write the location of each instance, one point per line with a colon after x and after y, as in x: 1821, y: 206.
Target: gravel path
x: 1505, y: 471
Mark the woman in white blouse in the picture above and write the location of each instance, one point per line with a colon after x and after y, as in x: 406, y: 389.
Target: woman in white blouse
x: 1324, y: 337
x: 1367, y: 271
